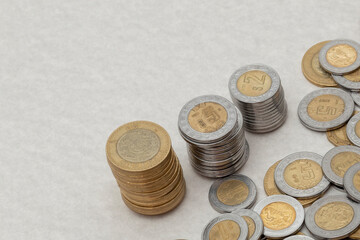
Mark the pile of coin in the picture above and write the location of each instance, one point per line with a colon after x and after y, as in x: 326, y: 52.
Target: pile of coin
x: 145, y: 167
x: 213, y: 129
x: 353, y: 130
x: 256, y: 90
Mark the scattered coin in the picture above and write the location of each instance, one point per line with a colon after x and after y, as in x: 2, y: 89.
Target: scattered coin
x: 340, y: 56
x: 338, y: 137
x: 145, y: 167
x: 256, y: 90
x: 300, y: 175
x: 226, y: 226
x: 325, y: 109
x: 282, y: 215
x: 312, y: 69
x: 353, y: 129
x: 333, y: 217
x: 352, y: 182
x: 355, y: 235
x: 231, y: 193
x: 213, y: 129
x: 298, y: 237
x: 356, y: 97
x: 254, y: 222
x: 337, y: 161
x: 350, y: 81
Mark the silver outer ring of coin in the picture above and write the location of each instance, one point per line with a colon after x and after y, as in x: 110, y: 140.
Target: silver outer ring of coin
x: 356, y: 97
x: 223, y: 208
x: 232, y: 119
x: 350, y: 130
x: 323, y: 126
x: 322, y: 233
x: 283, y: 186
x: 336, y: 70
x: 353, y: 193
x: 259, y: 225
x: 294, y: 227
x: 228, y: 216
x: 346, y: 83
x: 275, y: 83
x: 299, y: 237
x: 326, y: 163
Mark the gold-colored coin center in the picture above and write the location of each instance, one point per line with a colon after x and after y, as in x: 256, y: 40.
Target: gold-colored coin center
x: 207, y: 117
x: 303, y: 174
x: 278, y: 215
x: 357, y: 129
x: 341, y: 55
x: 251, y: 226
x: 232, y: 192
x: 354, y: 76
x: 138, y: 145
x: 356, y: 181
x: 254, y: 83
x: 226, y: 229
x: 317, y: 67
x: 334, y: 216
x: 342, y: 161
x: 326, y: 107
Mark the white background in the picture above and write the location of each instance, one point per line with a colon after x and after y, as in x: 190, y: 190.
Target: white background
x: 73, y: 71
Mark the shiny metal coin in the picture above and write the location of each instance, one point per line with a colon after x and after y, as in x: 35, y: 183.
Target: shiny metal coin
x: 356, y: 97
x: 353, y: 129
x: 254, y: 222
x: 282, y: 215
x: 346, y: 82
x: 337, y: 161
x: 299, y: 237
x: 352, y: 182
x: 226, y: 226
x: 300, y: 175
x: 333, y: 217
x: 231, y: 193
x: 340, y: 56
x: 325, y: 109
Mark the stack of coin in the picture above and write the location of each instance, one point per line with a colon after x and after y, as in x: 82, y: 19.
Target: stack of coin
x: 213, y: 129
x: 145, y: 167
x: 256, y: 90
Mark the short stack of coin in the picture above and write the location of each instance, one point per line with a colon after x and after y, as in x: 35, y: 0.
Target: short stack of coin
x: 256, y: 90
x: 145, y: 167
x: 213, y: 129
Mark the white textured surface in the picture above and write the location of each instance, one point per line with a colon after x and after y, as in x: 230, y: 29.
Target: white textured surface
x: 73, y: 71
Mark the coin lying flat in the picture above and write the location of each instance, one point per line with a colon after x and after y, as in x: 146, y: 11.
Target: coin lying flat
x: 227, y: 226
x: 271, y: 188
x: 350, y: 81
x: 352, y: 182
x: 338, y: 137
x: 340, y: 56
x: 300, y: 175
x: 282, y: 215
x: 312, y: 69
x: 299, y: 238
x: 254, y: 222
x: 325, y: 109
x: 232, y: 193
x: 333, y: 217
x: 356, y: 97
x: 353, y: 130
x: 337, y: 161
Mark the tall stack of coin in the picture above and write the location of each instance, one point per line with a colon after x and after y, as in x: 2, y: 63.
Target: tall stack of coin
x: 213, y: 129
x: 256, y: 90
x: 145, y: 167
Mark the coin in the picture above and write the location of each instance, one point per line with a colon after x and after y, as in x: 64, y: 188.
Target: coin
x: 282, y: 215
x: 257, y: 92
x: 254, y: 222
x: 337, y: 161
x: 231, y: 193
x: 356, y: 97
x: 226, y: 226
x: 299, y: 238
x: 325, y: 109
x: 350, y: 81
x: 352, y: 182
x: 333, y: 217
x: 340, y: 56
x: 271, y: 188
x: 300, y: 175
x: 312, y: 69
x: 355, y: 235
x: 338, y: 136
x: 353, y: 129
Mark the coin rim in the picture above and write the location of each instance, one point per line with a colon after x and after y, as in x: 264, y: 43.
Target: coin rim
x: 299, y: 237
x: 259, y: 225
x: 350, y: 130
x: 356, y: 97
x: 353, y: 193
x: 346, y: 83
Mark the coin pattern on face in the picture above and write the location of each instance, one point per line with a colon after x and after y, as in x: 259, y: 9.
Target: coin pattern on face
x: 341, y: 55
x: 278, y: 215
x: 326, y: 107
x: 232, y: 192
x: 254, y: 83
x: 352, y: 182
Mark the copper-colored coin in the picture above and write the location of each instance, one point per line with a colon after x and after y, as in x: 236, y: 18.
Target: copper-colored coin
x: 313, y: 71
x: 341, y: 55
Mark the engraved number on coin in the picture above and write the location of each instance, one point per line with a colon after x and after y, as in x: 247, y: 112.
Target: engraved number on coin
x: 341, y: 55
x: 226, y: 229
x: 232, y: 192
x: 326, y: 107
x: 334, y: 216
x: 254, y: 83
x: 278, y: 215
x: 342, y: 161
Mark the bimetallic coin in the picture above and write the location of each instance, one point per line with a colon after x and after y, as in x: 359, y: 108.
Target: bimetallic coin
x: 298, y: 237
x: 300, y: 175
x: 352, y: 182
x: 350, y: 81
x: 254, y: 222
x: 353, y: 130
x: 356, y: 97
x: 325, y: 109
x: 333, y: 217
x: 337, y: 161
x: 312, y: 69
x: 338, y: 137
x: 340, y: 56
x: 282, y: 215
x: 231, y: 193
x: 227, y: 226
